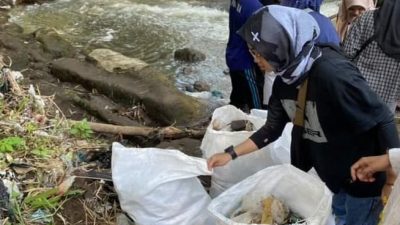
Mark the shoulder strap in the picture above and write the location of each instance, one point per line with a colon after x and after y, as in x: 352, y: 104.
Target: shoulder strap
x: 370, y: 39
x: 301, y: 104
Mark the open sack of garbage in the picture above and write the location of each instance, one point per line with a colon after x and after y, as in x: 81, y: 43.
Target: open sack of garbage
x: 223, y: 131
x: 160, y: 187
x: 276, y: 194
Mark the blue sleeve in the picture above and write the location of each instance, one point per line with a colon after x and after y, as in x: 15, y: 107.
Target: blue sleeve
x: 249, y: 7
x: 328, y: 34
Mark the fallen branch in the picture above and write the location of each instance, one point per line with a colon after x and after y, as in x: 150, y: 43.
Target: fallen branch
x: 162, y: 132
x: 13, y: 83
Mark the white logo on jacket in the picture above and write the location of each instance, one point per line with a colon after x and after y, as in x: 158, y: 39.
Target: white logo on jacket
x: 312, y: 127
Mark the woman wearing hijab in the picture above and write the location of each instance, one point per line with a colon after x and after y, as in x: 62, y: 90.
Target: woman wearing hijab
x: 337, y: 118
x: 328, y: 34
x: 349, y: 10
x: 373, y: 44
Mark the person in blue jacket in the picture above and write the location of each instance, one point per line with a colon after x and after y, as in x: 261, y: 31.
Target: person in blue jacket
x: 328, y: 33
x: 247, y: 78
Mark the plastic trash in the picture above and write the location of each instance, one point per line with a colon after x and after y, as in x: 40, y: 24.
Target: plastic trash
x: 302, y: 193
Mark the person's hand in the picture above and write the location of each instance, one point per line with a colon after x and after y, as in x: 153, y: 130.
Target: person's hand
x: 219, y: 159
x: 365, y: 168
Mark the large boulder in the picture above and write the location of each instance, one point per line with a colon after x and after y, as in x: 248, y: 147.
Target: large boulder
x: 115, y: 61
x: 189, y: 55
x: 15, y: 49
x: 54, y: 43
x: 162, y: 101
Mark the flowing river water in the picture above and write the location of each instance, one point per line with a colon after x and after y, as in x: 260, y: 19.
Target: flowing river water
x: 150, y: 30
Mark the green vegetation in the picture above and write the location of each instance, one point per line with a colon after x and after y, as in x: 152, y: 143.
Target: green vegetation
x: 11, y: 144
x: 81, y: 129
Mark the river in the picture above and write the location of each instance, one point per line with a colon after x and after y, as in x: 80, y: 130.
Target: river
x: 150, y: 30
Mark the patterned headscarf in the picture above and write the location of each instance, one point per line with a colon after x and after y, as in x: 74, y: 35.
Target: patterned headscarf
x: 315, y: 5
x: 285, y: 38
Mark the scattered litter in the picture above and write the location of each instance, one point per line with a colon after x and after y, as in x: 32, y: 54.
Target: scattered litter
x: 64, y: 187
x: 36, y: 148
x: 217, y: 94
x: 37, y: 100
x: 41, y: 216
x: 17, y: 75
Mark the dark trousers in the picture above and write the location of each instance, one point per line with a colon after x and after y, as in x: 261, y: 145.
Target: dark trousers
x: 247, y: 89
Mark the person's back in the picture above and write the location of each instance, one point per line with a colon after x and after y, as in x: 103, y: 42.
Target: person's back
x: 380, y: 70
x: 328, y: 33
x: 237, y: 53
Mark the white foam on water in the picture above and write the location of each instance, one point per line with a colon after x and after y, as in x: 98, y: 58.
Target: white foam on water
x: 153, y: 29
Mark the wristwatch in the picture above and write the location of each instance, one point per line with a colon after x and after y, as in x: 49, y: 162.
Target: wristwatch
x: 231, y: 151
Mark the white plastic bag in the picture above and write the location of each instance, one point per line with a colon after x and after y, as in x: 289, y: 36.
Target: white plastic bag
x: 280, y: 149
x: 301, y: 192
x: 390, y: 214
x: 159, y: 187
x: 215, y: 141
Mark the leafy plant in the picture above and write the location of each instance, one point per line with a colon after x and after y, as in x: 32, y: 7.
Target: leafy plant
x: 81, y: 129
x: 42, y: 152
x: 11, y: 144
x: 47, y: 200
x: 31, y: 127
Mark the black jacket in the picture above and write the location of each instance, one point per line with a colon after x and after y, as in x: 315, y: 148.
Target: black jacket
x: 344, y: 121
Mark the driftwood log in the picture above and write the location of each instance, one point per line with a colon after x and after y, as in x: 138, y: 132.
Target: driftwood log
x: 161, y: 132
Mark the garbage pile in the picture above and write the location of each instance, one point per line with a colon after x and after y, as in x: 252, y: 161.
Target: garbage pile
x: 271, y: 210
x: 39, y: 161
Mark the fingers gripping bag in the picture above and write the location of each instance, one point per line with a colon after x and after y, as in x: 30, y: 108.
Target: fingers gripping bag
x: 220, y: 135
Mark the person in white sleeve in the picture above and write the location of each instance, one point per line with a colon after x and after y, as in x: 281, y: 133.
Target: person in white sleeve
x: 364, y: 170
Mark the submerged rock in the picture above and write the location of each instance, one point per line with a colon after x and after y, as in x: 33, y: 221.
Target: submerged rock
x: 115, y: 61
x: 54, y: 43
x: 189, y: 55
x: 201, y: 86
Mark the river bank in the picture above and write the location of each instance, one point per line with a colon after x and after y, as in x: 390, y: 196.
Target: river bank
x: 82, y: 89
